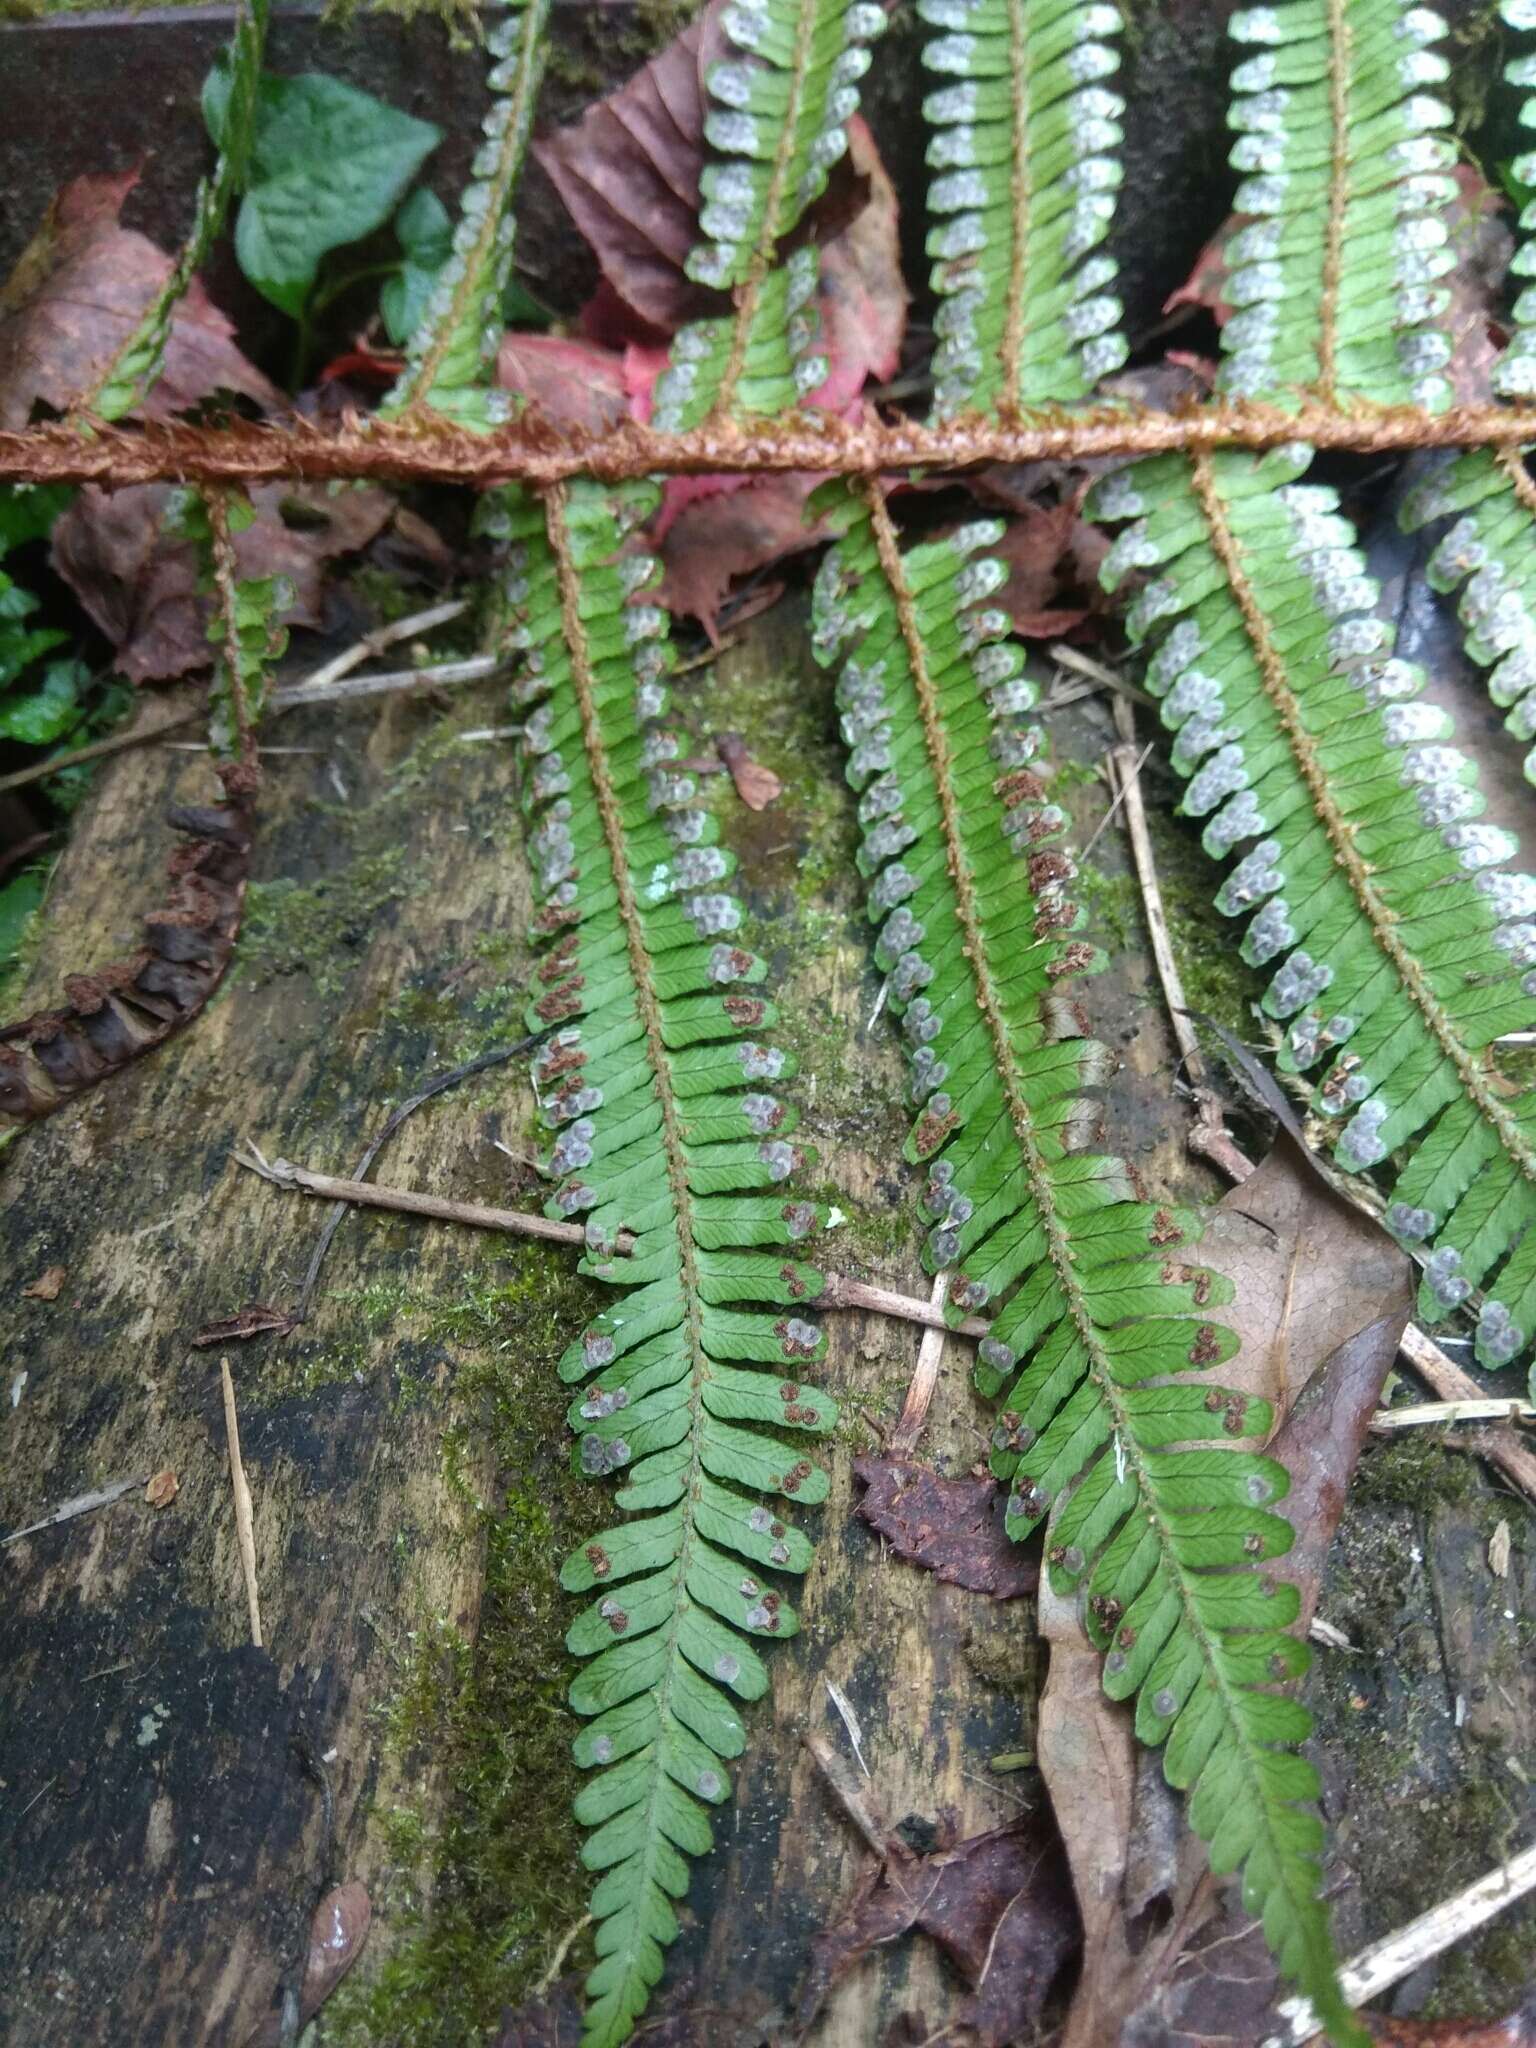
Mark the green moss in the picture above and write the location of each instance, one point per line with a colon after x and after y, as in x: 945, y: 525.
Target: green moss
x: 315, y: 927
x: 1412, y: 1471
x: 475, y: 1902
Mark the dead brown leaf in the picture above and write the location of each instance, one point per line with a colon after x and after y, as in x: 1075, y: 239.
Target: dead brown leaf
x: 1052, y: 556
x: 998, y: 1905
x: 47, y: 1284
x: 757, y: 786
x: 252, y: 1321
x: 81, y: 287
x: 336, y: 1937
x: 162, y: 1489
x: 954, y: 1528
x: 573, y: 382
x: 140, y: 586
x: 1323, y: 1295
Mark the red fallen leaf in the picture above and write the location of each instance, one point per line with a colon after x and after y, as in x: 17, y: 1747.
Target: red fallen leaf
x: 757, y: 786
x: 140, y: 587
x: 336, y: 1937
x: 862, y: 296
x: 81, y: 287
x: 951, y: 1527
x: 366, y: 363
x: 1516, y: 2030
x: 628, y: 172
x: 46, y: 1286
x: 253, y: 1321
x: 1053, y: 557
x: 575, y: 383
x: 710, y: 541
x: 1000, y: 1906
x: 1483, y: 245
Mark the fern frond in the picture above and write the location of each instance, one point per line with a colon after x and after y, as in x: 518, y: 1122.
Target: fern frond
x: 122, y: 385
x: 780, y: 119
x: 1347, y: 158
x: 1101, y: 1322
x: 1026, y: 155
x: 665, y: 1130
x: 450, y: 358
x: 1373, y: 883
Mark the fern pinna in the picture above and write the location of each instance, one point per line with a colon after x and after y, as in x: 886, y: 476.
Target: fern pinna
x: 1025, y: 146
x: 1401, y: 942
x: 656, y: 1083
x: 1097, y: 1320
x: 1346, y: 161
x: 780, y: 122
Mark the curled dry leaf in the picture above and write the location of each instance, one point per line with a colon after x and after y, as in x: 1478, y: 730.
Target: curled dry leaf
x: 252, y: 1321
x: 1323, y: 1295
x: 162, y: 1489
x: 712, y: 542
x: 1053, y: 556
x: 954, y: 1528
x: 46, y: 1286
x: 113, y: 1015
x: 757, y: 786
x: 998, y: 1904
x: 140, y: 586
x: 80, y: 289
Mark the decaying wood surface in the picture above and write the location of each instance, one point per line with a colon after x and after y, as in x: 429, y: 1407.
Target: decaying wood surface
x: 161, y: 1824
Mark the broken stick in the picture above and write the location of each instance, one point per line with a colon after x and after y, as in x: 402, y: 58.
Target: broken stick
x: 245, y: 1533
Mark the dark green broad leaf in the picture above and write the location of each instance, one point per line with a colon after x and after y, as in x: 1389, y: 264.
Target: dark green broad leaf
x: 20, y: 899
x: 329, y: 164
x: 425, y: 233
x: 27, y: 512
x: 39, y: 715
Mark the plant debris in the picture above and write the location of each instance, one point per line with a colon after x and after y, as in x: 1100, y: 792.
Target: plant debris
x: 255, y: 1320
x: 117, y: 1012
x: 757, y: 786
x: 336, y: 1937
x: 46, y: 1286
x: 162, y: 1489
x: 954, y: 1528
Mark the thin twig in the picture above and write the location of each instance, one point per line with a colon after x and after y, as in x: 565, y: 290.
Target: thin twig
x: 1118, y: 797
x: 563, y: 1948
x: 323, y: 687
x: 925, y: 1377
x: 244, y: 1532
x: 530, y: 450
x: 373, y: 644
x: 407, y: 1201
x: 1395, y: 1956
x: 1441, y: 1414
x: 1097, y: 672
x: 497, y: 1056
x: 1209, y: 1138
x: 855, y: 1800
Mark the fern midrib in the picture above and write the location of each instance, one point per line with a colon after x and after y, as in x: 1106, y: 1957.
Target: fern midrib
x: 530, y: 66
x: 768, y: 239
x: 584, y: 685
x: 1380, y: 918
x: 1339, y: 54
x: 1060, y: 1250
x: 1020, y: 195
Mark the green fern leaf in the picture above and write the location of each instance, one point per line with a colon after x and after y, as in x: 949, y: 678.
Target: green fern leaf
x: 1347, y: 161
x: 780, y: 120
x: 1100, y: 1325
x: 664, y: 1130
x: 122, y: 385
x: 1401, y: 942
x: 1025, y: 151
x: 450, y: 358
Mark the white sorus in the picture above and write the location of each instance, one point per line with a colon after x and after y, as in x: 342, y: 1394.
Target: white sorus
x: 1499, y: 1337
x: 1443, y: 1275
x: 1481, y: 846
x: 1359, y: 1144
x: 1409, y: 1223
x: 1255, y: 877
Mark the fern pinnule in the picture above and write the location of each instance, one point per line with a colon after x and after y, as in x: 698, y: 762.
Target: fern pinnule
x: 1347, y: 160
x: 1098, y: 1321
x: 1024, y: 149
x: 1403, y: 944
x: 690, y: 1386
